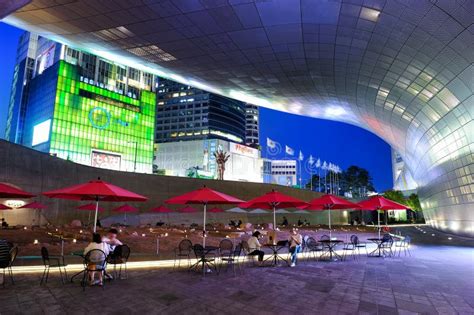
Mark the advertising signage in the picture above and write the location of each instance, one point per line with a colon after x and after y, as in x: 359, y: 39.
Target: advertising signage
x: 243, y: 150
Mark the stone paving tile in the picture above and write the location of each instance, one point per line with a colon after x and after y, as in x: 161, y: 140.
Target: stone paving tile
x: 430, y: 282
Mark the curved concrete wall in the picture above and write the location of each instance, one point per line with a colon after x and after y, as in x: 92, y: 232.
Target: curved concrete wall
x: 35, y: 172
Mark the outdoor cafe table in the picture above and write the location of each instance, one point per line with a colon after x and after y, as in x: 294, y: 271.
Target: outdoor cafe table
x: 79, y: 254
x: 378, y: 251
x: 202, y: 259
x: 330, y: 245
x: 275, y: 257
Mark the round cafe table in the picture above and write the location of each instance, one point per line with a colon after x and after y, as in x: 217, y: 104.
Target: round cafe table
x: 331, y: 245
x: 205, y: 260
x: 275, y: 257
x: 378, y: 251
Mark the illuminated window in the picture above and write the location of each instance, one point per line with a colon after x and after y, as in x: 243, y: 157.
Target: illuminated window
x: 41, y: 132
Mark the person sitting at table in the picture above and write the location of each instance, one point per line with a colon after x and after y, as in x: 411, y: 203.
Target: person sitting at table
x: 295, y: 241
x: 96, y: 243
x: 285, y: 222
x: 111, y: 240
x: 4, y: 223
x: 255, y: 247
x: 239, y: 224
x: 306, y: 222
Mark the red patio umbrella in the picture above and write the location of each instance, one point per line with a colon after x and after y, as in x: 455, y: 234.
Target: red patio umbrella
x: 376, y: 203
x: 329, y: 202
x: 8, y: 191
x: 204, y: 196
x: 126, y: 208
x: 97, y: 190
x: 34, y: 205
x: 273, y: 200
x: 3, y: 207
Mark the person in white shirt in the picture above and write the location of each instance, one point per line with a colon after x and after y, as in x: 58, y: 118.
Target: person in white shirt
x: 97, y: 259
x: 112, y: 240
x: 295, y: 241
x: 255, y: 247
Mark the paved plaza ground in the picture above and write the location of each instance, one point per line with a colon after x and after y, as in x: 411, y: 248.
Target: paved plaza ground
x: 436, y: 279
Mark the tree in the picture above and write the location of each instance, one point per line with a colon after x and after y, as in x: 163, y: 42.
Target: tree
x: 315, y: 180
x: 395, y: 195
x: 356, y: 180
x: 413, y: 202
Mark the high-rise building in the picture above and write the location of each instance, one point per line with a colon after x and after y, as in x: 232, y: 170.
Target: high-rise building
x: 83, y: 108
x: 187, y: 113
x: 24, y: 69
x: 252, y: 125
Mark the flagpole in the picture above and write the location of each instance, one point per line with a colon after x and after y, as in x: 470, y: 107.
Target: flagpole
x: 204, y: 227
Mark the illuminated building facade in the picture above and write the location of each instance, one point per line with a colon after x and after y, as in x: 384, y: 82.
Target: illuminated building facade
x: 252, y: 134
x: 88, y: 110
x: 188, y: 113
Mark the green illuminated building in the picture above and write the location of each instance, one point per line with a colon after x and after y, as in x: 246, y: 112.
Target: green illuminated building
x: 96, y: 118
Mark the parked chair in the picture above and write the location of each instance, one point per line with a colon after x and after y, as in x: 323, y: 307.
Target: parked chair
x: 205, y: 260
x: 247, y: 251
x: 94, y: 261
x: 232, y: 258
x: 225, y: 248
x: 6, y: 263
x: 184, y: 249
x: 349, y: 247
x: 52, y: 262
x: 403, y: 244
x: 358, y: 244
x: 313, y: 247
x: 386, y: 245
x: 119, y: 257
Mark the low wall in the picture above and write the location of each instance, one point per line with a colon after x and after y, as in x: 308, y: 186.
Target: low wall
x: 36, y: 172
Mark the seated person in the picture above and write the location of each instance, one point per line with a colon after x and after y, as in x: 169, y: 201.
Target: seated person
x: 111, y: 240
x: 295, y: 240
x: 255, y: 247
x: 96, y: 258
x: 232, y: 223
x: 239, y: 224
x: 300, y: 223
x: 160, y: 223
x: 285, y: 222
x: 306, y: 223
x: 4, y: 223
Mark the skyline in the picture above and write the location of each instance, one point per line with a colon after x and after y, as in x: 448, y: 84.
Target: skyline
x: 366, y: 150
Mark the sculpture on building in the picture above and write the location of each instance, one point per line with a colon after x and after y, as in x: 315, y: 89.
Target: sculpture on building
x: 221, y: 158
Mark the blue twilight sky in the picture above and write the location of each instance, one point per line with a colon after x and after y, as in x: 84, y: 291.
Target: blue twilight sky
x: 330, y: 141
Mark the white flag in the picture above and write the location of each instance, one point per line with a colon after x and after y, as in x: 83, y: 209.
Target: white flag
x: 271, y: 143
x: 301, y: 156
x: 318, y: 163
x: 325, y: 166
x: 311, y: 160
x: 289, y: 150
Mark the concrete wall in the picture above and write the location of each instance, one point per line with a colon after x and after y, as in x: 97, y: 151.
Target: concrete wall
x: 37, y: 172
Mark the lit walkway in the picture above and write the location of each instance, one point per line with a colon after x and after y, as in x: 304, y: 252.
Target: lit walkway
x: 437, y: 279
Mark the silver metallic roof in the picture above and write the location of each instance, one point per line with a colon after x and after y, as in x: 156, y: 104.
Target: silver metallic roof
x: 402, y: 69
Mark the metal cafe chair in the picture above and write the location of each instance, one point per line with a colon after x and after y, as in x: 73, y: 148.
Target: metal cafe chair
x: 349, y: 247
x: 313, y: 247
x: 184, y: 249
x: 358, y: 244
x: 386, y: 245
x: 403, y: 245
x: 52, y: 262
x: 225, y: 248
x: 232, y: 258
x: 248, y: 257
x: 94, y: 261
x: 6, y: 263
x: 119, y: 257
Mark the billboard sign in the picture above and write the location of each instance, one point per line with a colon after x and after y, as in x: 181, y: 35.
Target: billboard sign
x: 106, y: 160
x: 243, y: 150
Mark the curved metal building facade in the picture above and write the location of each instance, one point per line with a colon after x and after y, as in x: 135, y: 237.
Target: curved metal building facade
x: 402, y: 69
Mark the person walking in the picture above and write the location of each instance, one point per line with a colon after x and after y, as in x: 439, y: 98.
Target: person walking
x: 295, y: 241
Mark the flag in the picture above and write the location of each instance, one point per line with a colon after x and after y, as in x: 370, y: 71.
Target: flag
x: 271, y: 143
x: 311, y: 160
x: 325, y: 166
x: 301, y: 156
x: 318, y: 163
x: 289, y: 150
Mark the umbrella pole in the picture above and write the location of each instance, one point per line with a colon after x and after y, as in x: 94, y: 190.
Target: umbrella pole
x: 329, y: 215
x: 378, y: 219
x: 204, y: 227
x: 274, y: 218
x: 96, y: 212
